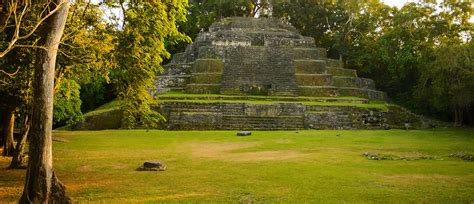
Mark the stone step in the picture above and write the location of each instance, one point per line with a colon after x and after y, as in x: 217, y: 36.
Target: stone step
x: 342, y: 72
x: 210, y: 52
x: 334, y: 63
x: 251, y: 98
x: 318, y: 91
x: 263, y: 118
x: 353, y: 82
x: 203, y: 88
x: 206, y: 78
x: 310, y: 66
x: 192, y: 126
x: 306, y: 42
x: 363, y: 93
x: 329, y: 120
x: 178, y: 89
x: 248, y: 122
x: 309, y: 53
x: 178, y: 58
x: 285, y: 93
x: 274, y: 126
x: 196, y: 109
x: 171, y: 81
x: 162, y: 90
x: 332, y: 91
x: 208, y: 66
x: 330, y: 108
x: 314, y: 79
x: 177, y: 69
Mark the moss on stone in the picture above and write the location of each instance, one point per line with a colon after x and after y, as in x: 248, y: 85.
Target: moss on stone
x: 313, y: 79
x: 310, y: 66
x: 208, y: 66
x: 203, y: 88
x: 206, y: 78
x: 342, y: 72
x: 378, y: 106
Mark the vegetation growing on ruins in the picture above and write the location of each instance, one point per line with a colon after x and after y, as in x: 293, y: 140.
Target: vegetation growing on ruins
x: 373, y: 104
x: 80, y: 55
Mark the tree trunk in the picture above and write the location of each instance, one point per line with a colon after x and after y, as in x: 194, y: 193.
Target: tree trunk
x: 42, y: 185
x: 18, y: 157
x: 470, y: 116
x: 8, y: 131
x: 2, y: 124
x: 458, y: 117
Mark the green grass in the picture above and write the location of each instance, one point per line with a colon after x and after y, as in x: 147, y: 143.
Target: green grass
x: 268, y: 166
x: 371, y: 105
x: 184, y: 95
x: 110, y: 106
x: 217, y: 98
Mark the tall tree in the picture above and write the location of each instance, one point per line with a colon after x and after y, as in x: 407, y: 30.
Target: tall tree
x: 42, y: 185
x: 147, y: 25
x: 448, y: 81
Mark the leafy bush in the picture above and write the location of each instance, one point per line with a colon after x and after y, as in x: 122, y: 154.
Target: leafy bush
x: 67, y: 104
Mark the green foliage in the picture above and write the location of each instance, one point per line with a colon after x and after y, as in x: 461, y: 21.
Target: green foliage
x: 400, y: 57
x: 67, y: 104
x: 140, y: 51
x: 395, y: 47
x: 16, y: 67
x: 448, y: 81
x: 85, y: 51
x: 110, y: 106
x: 15, y: 90
x: 96, y: 92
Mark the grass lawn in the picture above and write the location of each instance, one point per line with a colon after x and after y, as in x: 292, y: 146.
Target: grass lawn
x: 268, y: 166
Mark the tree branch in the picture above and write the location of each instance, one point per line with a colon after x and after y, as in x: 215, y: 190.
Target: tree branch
x: 11, y: 75
x: 18, y: 23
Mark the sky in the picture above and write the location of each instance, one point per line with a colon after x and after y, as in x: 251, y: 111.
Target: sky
x: 397, y: 3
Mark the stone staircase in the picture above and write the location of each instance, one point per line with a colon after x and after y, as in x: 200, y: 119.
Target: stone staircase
x: 258, y: 70
x: 328, y: 77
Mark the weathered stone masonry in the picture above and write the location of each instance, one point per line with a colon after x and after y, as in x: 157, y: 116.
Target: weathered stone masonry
x: 260, y: 57
x: 283, y: 116
x: 247, y: 57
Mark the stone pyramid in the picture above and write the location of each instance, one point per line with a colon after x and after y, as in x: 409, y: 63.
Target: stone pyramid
x: 260, y: 56
x: 261, y: 74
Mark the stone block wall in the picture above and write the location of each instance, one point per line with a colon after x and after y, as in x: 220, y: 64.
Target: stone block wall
x: 206, y: 76
x: 284, y: 116
x: 223, y: 115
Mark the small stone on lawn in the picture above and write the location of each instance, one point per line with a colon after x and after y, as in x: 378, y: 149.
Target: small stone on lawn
x: 244, y: 133
x: 152, y: 166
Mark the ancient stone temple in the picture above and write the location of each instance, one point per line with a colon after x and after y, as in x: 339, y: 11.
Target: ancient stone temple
x: 259, y: 73
x: 261, y: 56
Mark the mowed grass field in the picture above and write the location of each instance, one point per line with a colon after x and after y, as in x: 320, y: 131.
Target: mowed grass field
x: 268, y: 166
